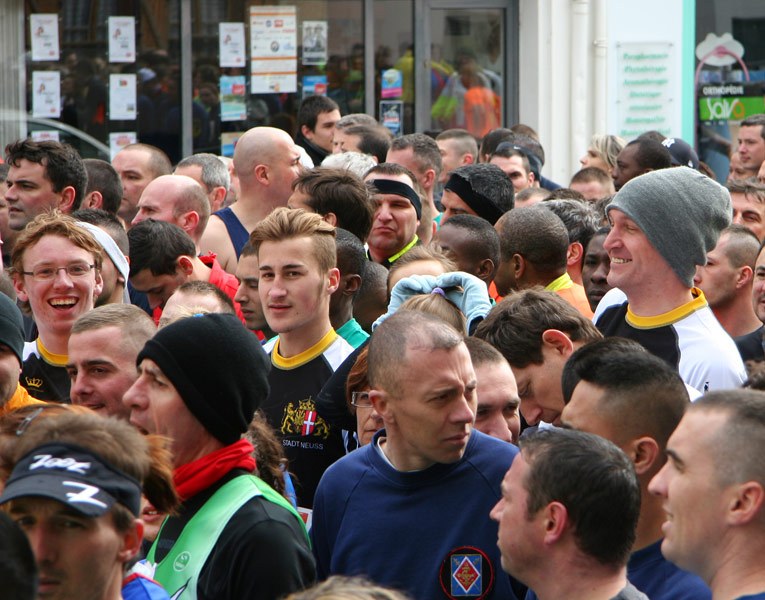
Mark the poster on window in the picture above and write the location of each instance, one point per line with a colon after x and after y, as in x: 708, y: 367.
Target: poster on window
x: 273, y: 49
x: 121, y: 39
x: 43, y: 33
x: 392, y: 116
x: 122, y: 97
x: 119, y: 139
x: 46, y: 94
x: 45, y: 136
x: 232, y: 98
x: 232, y: 48
x: 314, y: 42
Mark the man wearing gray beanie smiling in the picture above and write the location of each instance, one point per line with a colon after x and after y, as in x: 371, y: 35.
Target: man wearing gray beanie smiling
x: 663, y: 224
x: 234, y: 537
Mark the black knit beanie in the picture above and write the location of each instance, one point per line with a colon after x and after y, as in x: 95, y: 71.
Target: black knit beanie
x: 218, y: 368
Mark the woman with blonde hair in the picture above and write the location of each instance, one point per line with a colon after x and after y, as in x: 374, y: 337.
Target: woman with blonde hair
x: 602, y: 152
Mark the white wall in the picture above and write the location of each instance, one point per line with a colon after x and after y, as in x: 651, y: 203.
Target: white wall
x: 568, y: 68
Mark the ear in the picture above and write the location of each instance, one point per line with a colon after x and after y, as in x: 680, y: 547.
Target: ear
x: 99, y: 285
x: 330, y: 218
x: 559, y: 342
x: 351, y: 284
x: 185, y: 264
x: 745, y: 276
x: 18, y: 286
x: 555, y: 522
x: 575, y: 253
x: 67, y: 199
x: 518, y: 265
x: 429, y: 179
x: 532, y: 178
x: 189, y: 221
x: 261, y: 174
x: 93, y: 200
x: 467, y: 159
x: 746, y: 503
x: 307, y: 132
x: 333, y: 278
x: 219, y: 196
x: 381, y: 403
x: 131, y: 542
x: 486, y: 269
x: 644, y: 452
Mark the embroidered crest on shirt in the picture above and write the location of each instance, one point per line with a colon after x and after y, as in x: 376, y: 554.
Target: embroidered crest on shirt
x: 466, y: 572
x: 303, y: 420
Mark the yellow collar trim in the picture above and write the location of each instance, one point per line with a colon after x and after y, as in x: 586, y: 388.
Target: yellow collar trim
x: 673, y: 316
x: 404, y: 250
x: 306, y: 356
x: 561, y: 283
x: 57, y: 360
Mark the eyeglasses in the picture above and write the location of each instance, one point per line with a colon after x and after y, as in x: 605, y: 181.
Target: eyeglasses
x: 48, y: 273
x: 361, y: 400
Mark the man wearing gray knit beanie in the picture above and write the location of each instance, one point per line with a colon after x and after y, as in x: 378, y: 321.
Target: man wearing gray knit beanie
x: 663, y: 224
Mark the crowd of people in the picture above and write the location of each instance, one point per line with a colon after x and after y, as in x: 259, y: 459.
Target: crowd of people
x: 352, y: 366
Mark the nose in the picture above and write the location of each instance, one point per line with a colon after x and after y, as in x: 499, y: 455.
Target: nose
x: 464, y: 412
x: 610, y: 241
x: 137, y: 219
x: 583, y: 160
x: 134, y: 397
x: 497, y: 428
x: 383, y: 213
x: 79, y: 387
x: 276, y: 289
x: 600, y: 275
x: 531, y: 412
x: 697, y: 276
x: 240, y: 296
x: 496, y: 512
x: 737, y: 220
x: 42, y: 544
x: 62, y: 278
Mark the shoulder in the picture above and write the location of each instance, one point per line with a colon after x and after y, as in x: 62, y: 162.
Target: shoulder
x: 613, y: 298
x: 216, y: 239
x: 337, y: 352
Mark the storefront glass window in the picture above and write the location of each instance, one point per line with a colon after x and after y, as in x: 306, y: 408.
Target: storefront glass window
x: 729, y: 79
x: 98, y: 83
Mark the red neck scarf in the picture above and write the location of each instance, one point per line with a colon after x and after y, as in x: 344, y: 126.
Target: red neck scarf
x: 192, y: 478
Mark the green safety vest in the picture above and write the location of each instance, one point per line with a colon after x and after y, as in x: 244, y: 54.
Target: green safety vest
x: 179, y: 571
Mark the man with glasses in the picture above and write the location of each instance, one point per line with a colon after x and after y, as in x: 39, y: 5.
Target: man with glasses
x: 56, y: 268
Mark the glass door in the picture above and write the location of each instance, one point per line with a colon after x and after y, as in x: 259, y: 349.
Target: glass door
x: 467, y: 79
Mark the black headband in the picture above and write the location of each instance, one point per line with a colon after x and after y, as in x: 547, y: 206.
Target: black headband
x: 388, y: 186
x: 484, y: 207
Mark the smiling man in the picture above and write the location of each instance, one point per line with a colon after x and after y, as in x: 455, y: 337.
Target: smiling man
x: 103, y: 347
x: 297, y: 256
x: 426, y: 469
x: 713, y: 490
x: 663, y: 224
x: 56, y: 269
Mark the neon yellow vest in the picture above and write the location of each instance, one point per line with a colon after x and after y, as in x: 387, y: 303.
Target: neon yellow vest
x: 179, y: 571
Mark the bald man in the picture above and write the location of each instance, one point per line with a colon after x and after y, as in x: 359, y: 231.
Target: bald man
x: 177, y: 199
x: 266, y: 161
